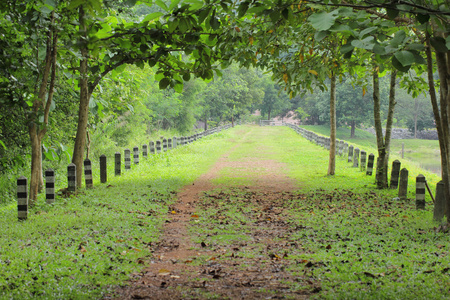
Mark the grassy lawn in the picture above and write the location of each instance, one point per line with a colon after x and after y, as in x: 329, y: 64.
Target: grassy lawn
x: 81, y: 246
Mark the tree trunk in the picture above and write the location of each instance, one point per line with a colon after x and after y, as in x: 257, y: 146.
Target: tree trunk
x: 37, y: 131
x: 83, y: 110
x: 352, y: 129
x: 206, y: 121
x: 332, y: 158
x: 268, y: 115
x: 381, y: 176
x: 441, y: 115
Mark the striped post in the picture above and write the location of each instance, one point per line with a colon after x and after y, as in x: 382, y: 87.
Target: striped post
x: 72, y: 177
x: 136, y: 155
x: 88, y: 173
x: 395, y: 173
x: 174, y: 142
x: 169, y: 144
x: 22, y: 198
x: 164, y: 145
x: 144, y: 151
x: 103, y: 177
x: 440, y: 205
x: 363, y: 161
x: 158, y: 146
x: 370, y: 164
x: 127, y: 155
x: 403, y: 188
x: 152, y: 147
x: 420, y: 192
x: 49, y: 186
x: 117, y: 163
x: 356, y: 158
x: 350, y: 153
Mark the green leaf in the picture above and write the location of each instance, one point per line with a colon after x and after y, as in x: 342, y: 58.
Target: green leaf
x: 367, y: 31
x: 243, y: 7
x: 161, y: 4
x: 399, y: 66
x: 422, y: 18
x: 152, y: 16
x: 367, y: 43
x: 347, y: 48
x: 322, y: 21
x: 378, y: 49
x: 398, y: 39
x: 178, y: 87
x: 173, y: 4
x: 202, y: 15
x: 406, y: 58
x: 214, y: 23
x: 439, y: 44
x: 3, y: 145
x: 392, y: 13
x: 164, y: 83
x: 320, y: 35
x: 275, y: 16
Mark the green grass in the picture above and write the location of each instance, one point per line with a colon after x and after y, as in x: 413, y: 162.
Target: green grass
x: 355, y: 241
x: 81, y: 246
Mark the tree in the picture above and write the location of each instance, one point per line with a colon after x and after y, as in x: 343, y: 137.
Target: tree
x: 274, y: 101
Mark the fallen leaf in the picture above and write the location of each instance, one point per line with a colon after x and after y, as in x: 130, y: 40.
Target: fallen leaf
x: 163, y: 272
x: 195, y: 216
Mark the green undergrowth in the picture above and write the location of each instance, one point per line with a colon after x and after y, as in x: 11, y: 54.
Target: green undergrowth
x: 81, y: 246
x: 338, y: 236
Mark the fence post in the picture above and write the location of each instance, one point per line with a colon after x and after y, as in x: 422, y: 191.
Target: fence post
x: 152, y: 147
x: 395, y: 172
x: 420, y: 192
x: 350, y: 153
x: 362, y: 167
x: 22, y: 198
x: 136, y: 155
x: 144, y: 151
x: 164, y: 144
x: 158, y: 146
x: 117, y: 163
x: 72, y: 177
x: 49, y: 186
x: 127, y: 158
x: 88, y: 173
x: 440, y: 205
x: 169, y: 144
x: 103, y: 178
x: 174, y: 142
x: 403, y: 188
x: 370, y: 164
x: 356, y: 158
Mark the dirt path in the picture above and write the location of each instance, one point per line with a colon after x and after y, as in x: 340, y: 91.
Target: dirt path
x: 254, y: 267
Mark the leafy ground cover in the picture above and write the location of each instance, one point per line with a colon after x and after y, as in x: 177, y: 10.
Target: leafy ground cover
x: 83, y: 245
x: 262, y: 222
x: 304, y: 236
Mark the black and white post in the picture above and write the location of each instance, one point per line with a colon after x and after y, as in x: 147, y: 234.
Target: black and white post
x: 127, y: 158
x: 22, y: 198
x: 103, y: 172
x: 72, y: 177
x: 117, y: 163
x: 88, y: 173
x: 49, y: 186
x: 420, y: 191
x: 136, y: 155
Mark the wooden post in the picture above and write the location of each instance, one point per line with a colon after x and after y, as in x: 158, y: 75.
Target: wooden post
x: 117, y: 163
x: 403, y: 188
x: 72, y: 177
x: 356, y: 158
x: 22, y: 198
x: 127, y: 158
x: 136, y: 155
x: 395, y: 174
x: 350, y: 153
x: 174, y: 142
x: 49, y: 186
x: 440, y: 205
x: 103, y: 177
x: 88, y: 173
x: 169, y: 144
x: 420, y: 192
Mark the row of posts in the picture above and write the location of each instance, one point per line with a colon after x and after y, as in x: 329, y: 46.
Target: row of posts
x: 152, y: 148
x: 399, y: 177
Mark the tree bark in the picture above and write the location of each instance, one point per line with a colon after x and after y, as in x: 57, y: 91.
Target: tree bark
x: 332, y: 157
x: 206, y: 121
x: 352, y: 129
x: 268, y: 115
x: 83, y: 109
x: 37, y: 131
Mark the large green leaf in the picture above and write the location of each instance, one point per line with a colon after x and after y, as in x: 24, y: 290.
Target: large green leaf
x: 398, y: 65
x: 406, y: 58
x: 323, y: 20
x: 367, y: 43
x: 152, y: 16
